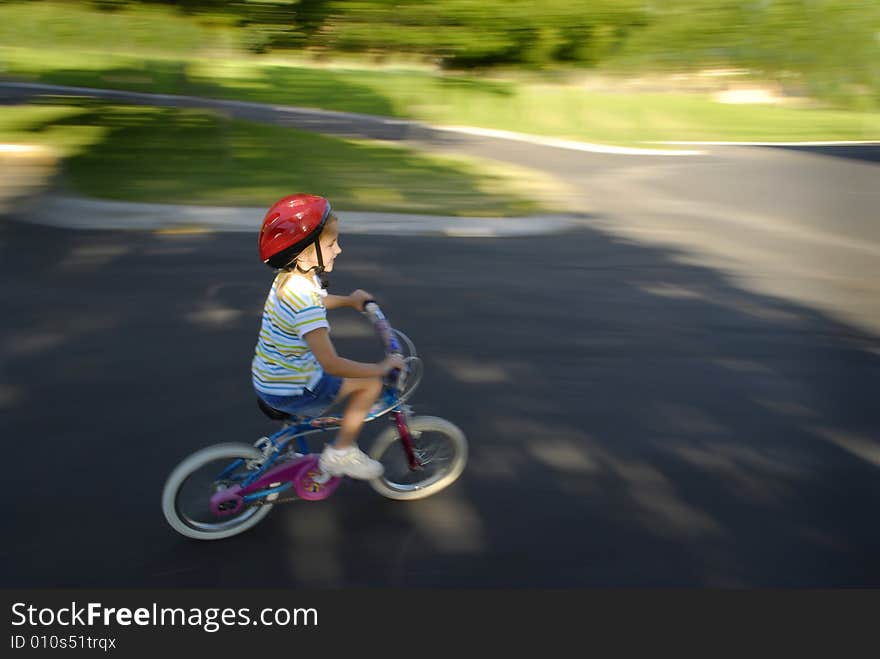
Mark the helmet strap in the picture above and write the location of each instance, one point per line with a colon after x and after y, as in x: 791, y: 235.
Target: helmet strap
x: 319, y: 269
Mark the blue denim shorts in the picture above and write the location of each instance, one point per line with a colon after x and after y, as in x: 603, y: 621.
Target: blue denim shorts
x: 312, y: 402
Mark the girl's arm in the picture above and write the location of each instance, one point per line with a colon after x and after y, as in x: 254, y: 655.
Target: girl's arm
x: 355, y: 300
x: 320, y: 344
x: 336, y: 301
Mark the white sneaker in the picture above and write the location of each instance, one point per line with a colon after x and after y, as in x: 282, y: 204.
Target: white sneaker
x: 349, y: 462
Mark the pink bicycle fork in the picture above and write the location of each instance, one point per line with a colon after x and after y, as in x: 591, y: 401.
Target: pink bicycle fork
x: 406, y: 440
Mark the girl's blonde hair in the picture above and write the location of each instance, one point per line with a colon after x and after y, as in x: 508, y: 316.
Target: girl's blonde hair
x: 285, y: 274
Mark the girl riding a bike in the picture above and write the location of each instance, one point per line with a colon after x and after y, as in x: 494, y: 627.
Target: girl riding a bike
x: 225, y: 489
x: 296, y: 368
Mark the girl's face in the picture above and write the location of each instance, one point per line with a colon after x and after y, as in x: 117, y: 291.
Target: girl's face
x: 330, y: 248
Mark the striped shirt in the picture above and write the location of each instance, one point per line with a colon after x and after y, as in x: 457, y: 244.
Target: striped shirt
x: 283, y: 364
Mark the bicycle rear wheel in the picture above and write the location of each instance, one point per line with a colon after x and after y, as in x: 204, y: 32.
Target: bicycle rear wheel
x: 441, y: 448
x: 186, y: 497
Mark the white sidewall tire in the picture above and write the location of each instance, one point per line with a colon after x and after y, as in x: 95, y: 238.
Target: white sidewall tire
x: 187, y: 467
x: 390, y: 436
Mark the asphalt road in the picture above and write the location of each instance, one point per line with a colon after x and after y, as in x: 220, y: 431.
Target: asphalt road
x: 621, y: 435
x: 680, y: 391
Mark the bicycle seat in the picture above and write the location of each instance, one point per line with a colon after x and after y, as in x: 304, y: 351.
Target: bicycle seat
x: 271, y: 412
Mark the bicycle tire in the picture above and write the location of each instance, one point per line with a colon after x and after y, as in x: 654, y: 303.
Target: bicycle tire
x: 171, y: 494
x: 441, y: 469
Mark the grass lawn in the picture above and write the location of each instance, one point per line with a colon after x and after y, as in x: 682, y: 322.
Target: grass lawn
x: 199, y: 157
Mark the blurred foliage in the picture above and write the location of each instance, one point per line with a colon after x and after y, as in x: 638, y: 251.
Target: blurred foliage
x: 833, y: 44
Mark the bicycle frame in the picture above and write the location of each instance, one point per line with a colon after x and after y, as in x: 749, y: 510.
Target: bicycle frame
x: 302, y: 473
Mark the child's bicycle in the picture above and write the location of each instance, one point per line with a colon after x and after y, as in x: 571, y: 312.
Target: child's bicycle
x: 225, y: 489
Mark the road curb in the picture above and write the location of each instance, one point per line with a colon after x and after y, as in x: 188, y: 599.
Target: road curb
x: 95, y: 214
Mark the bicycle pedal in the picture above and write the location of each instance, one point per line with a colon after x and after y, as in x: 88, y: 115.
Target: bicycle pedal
x: 276, y: 502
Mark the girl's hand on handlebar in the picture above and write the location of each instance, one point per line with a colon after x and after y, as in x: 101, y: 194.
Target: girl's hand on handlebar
x: 359, y: 298
x: 392, y: 362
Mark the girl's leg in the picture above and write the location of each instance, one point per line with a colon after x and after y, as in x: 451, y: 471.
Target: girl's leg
x: 361, y: 394
x: 344, y: 458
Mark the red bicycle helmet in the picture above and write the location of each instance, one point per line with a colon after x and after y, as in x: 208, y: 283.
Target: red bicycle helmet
x: 292, y: 224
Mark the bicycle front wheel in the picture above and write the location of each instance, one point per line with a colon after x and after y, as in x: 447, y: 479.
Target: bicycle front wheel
x: 441, y: 448
x: 186, y: 497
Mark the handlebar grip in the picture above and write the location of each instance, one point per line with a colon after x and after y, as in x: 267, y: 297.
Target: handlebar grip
x: 383, y: 327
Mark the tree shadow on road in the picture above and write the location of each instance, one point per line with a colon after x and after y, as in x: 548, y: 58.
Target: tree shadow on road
x: 306, y: 87
x: 865, y: 152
